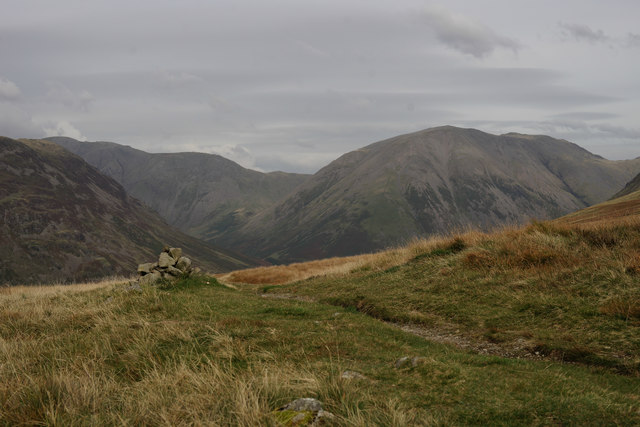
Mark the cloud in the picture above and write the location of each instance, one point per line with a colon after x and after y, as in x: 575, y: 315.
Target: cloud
x: 633, y: 40
x: 583, y: 33
x: 237, y: 153
x: 465, y: 35
x: 8, y: 89
x: 58, y: 93
x: 64, y: 128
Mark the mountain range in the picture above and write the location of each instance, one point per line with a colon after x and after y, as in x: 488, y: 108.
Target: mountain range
x: 62, y: 220
x: 200, y: 194
x: 428, y: 182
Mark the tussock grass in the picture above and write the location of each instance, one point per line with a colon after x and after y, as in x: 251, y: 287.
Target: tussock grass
x: 63, y: 287
x: 198, y: 353
x: 563, y: 290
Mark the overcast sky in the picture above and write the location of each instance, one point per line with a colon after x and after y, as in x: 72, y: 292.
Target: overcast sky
x: 291, y: 85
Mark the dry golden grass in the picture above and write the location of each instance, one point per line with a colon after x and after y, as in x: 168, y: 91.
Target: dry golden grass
x: 57, y: 288
x: 342, y: 266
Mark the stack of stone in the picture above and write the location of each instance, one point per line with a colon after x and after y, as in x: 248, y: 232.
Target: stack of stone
x: 171, y: 265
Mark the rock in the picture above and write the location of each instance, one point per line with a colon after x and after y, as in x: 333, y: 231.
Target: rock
x: 133, y: 286
x: 146, y: 268
x: 175, y: 253
x: 406, y: 360
x: 303, y: 404
x: 352, y: 375
x: 184, y: 263
x: 415, y: 361
x: 303, y: 412
x: 171, y: 265
x: 323, y: 417
x: 151, y: 278
x: 165, y: 260
x: 174, y: 272
x: 402, y: 362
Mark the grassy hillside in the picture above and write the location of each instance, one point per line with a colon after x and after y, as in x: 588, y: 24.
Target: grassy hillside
x: 567, y: 290
x: 201, y: 353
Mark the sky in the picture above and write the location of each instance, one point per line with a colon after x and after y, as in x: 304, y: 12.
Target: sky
x: 291, y: 85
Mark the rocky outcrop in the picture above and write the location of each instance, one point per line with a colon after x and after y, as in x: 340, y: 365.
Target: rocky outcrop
x: 171, y: 265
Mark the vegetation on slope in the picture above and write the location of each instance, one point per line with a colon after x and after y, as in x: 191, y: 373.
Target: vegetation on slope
x: 62, y: 220
x: 631, y: 187
x: 201, y: 194
x: 200, y: 353
x: 433, y: 181
x: 567, y: 290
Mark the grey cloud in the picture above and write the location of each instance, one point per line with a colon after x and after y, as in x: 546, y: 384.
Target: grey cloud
x: 466, y: 36
x: 633, y: 40
x: 8, y: 89
x: 584, y: 115
x: 583, y: 33
x: 58, y: 93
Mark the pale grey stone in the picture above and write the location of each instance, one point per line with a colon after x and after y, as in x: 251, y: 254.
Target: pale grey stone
x: 303, y: 404
x: 184, y: 264
x: 175, y: 253
x: 146, y: 268
x: 175, y: 272
x: 165, y: 260
x: 151, y: 278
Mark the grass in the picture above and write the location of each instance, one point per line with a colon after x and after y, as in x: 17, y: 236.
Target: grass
x: 556, y: 305
x: 560, y: 291
x: 198, y: 353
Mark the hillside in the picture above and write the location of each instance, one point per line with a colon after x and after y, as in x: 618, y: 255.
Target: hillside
x: 565, y: 290
x: 425, y: 183
x: 201, y: 194
x: 63, y: 220
x: 532, y: 326
x: 632, y: 186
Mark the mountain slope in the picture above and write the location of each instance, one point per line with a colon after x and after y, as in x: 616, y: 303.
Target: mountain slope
x: 631, y: 187
x: 60, y: 219
x: 202, y: 194
x: 428, y: 182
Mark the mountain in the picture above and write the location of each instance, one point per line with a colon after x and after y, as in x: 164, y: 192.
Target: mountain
x: 631, y: 187
x: 428, y: 182
x: 61, y: 220
x: 201, y: 194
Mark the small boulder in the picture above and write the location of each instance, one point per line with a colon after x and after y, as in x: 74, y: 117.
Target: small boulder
x: 175, y: 253
x: 175, y: 272
x: 184, y: 263
x: 406, y: 361
x: 303, y: 404
x: 165, y: 260
x: 352, y: 375
x: 303, y: 412
x: 151, y: 278
x: 146, y: 268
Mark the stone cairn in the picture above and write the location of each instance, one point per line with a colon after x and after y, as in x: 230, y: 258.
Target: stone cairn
x: 171, y: 265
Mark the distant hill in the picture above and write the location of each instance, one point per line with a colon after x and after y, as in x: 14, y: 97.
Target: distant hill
x: 201, y: 194
x: 61, y: 220
x: 631, y: 187
x: 428, y: 182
